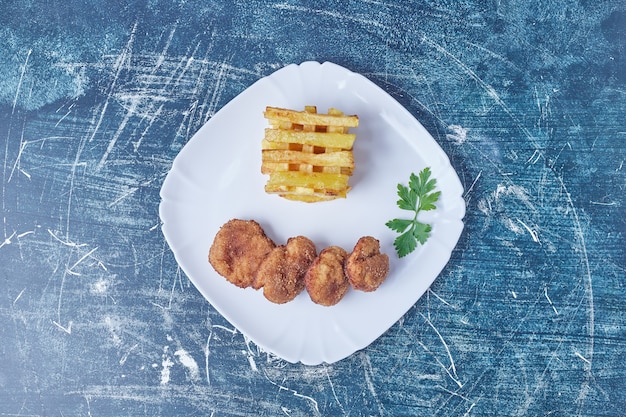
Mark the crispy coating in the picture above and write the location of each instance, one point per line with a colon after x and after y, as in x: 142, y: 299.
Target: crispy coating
x: 238, y: 249
x: 281, y: 273
x: 325, y: 280
x: 367, y: 268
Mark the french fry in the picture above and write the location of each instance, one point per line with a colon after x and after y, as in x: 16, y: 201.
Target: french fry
x: 286, y: 180
x: 309, y: 198
x: 324, y: 139
x: 315, y: 119
x: 340, y: 159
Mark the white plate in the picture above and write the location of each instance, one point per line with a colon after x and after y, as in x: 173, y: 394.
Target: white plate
x: 216, y: 177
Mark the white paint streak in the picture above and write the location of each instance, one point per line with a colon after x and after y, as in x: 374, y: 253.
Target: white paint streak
x: 598, y: 203
x: 545, y: 293
x: 332, y: 388
x: 368, y: 372
x: 166, y: 364
x: 469, y: 190
x: 124, y: 358
x: 16, y: 164
x: 163, y: 54
x: 248, y: 352
x: 85, y: 256
x: 128, y: 193
x: 451, y: 370
x: 582, y: 357
x: 533, y: 234
x: 207, y: 353
x: 67, y: 329
x: 430, y: 291
x: 252, y: 363
x: 469, y: 410
x: 66, y: 242
x: 19, y: 83
x: 6, y: 146
x: 453, y: 393
x: 189, y: 363
x: 18, y: 296
x: 295, y: 393
x: 116, y: 136
x: 69, y: 110
x: 219, y: 326
x: 7, y: 241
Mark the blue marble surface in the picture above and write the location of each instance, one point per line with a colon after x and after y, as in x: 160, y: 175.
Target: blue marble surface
x: 527, y: 99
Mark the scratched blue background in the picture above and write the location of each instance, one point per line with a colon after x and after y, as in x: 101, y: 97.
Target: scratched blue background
x: 527, y: 98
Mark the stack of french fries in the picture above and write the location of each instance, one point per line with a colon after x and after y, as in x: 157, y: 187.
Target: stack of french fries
x: 308, y: 155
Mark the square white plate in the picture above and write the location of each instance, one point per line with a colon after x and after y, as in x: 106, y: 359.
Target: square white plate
x: 216, y: 177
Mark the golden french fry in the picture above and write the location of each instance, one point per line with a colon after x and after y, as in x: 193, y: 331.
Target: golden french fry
x: 322, y: 139
x: 332, y: 159
x: 268, y: 145
x: 310, y: 198
x: 306, y: 118
x: 286, y: 180
x: 271, y: 167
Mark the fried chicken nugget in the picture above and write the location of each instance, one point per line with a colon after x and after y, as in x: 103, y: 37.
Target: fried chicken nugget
x: 325, y: 280
x: 281, y: 274
x: 238, y: 249
x: 367, y: 268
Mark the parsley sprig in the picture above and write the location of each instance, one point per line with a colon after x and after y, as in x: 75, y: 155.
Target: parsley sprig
x: 418, y: 196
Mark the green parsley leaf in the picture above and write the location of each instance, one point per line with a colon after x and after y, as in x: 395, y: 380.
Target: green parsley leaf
x: 427, y: 202
x: 421, y: 231
x: 399, y: 225
x: 405, y: 244
x: 420, y: 195
x: 408, y: 198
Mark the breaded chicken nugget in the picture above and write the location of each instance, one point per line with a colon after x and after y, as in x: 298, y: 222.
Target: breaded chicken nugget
x: 366, y: 267
x: 238, y: 249
x: 281, y: 274
x: 325, y: 280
